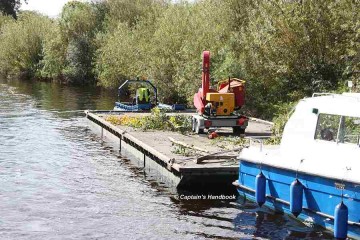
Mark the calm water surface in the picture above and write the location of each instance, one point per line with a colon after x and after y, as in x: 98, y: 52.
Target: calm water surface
x: 57, y: 181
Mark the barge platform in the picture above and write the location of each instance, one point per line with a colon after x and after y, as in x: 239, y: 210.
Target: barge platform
x: 210, y: 166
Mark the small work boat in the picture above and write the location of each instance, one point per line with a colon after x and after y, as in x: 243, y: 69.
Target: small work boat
x: 314, y: 173
x: 144, y: 99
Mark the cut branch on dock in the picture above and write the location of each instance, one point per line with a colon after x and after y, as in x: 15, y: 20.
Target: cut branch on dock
x: 188, y: 146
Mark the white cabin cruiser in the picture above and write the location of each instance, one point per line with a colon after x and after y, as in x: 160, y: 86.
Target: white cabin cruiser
x: 314, y: 173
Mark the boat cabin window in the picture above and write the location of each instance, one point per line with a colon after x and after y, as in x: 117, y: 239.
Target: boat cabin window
x: 327, y: 127
x: 351, y: 130
x: 337, y: 128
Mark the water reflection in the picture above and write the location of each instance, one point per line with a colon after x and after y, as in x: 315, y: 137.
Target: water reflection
x: 56, y: 97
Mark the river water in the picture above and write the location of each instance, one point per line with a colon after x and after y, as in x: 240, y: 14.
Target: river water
x: 57, y: 181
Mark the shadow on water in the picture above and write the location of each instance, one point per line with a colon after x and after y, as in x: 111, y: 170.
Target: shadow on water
x: 87, y: 185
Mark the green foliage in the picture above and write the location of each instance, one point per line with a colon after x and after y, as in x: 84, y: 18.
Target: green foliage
x: 292, y: 49
x: 21, y: 44
x: 285, y: 50
x: 282, y: 115
x: 165, y: 47
x: 54, y: 53
x: 124, y: 51
x: 131, y: 12
x: 4, y: 19
x: 230, y: 142
x: 157, y: 120
x: 175, y: 64
x: 79, y: 24
x: 184, y: 151
x: 181, y: 123
x: 69, y: 49
x: 117, y: 58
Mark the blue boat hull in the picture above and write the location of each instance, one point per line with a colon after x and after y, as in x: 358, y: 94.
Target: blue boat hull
x: 320, y: 195
x: 147, y: 106
x: 132, y: 108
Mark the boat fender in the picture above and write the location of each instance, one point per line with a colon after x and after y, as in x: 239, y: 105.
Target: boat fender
x: 341, y: 221
x: 296, y: 197
x: 260, y: 189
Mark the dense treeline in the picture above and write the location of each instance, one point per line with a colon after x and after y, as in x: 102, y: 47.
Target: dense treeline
x: 284, y: 49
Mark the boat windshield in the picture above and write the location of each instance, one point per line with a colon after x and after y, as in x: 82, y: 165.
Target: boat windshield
x: 336, y: 128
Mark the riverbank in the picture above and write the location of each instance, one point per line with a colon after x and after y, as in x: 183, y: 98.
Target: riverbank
x: 289, y: 58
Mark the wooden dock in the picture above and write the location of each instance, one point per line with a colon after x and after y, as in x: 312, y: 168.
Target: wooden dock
x: 155, y: 150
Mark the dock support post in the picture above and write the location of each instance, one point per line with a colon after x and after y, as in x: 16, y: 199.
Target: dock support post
x: 120, y: 145
x: 144, y: 159
x: 102, y: 134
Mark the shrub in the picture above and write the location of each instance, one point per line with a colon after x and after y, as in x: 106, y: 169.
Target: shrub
x: 157, y: 120
x: 21, y: 44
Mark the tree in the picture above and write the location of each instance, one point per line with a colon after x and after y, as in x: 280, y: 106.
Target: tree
x: 10, y: 7
x: 126, y: 43
x: 21, y: 44
x: 133, y: 11
x: 4, y: 19
x: 69, y: 49
x: 284, y: 49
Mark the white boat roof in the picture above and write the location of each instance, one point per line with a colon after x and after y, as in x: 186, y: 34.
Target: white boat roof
x: 346, y: 104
